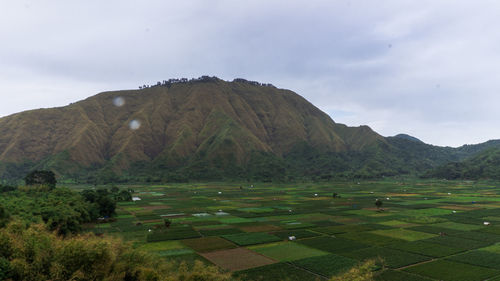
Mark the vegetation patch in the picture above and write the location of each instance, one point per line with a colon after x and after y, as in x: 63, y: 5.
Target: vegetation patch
x: 337, y: 229
x: 479, y: 236
x: 493, y: 248
x: 244, y: 239
x: 452, y: 271
x: 480, y: 258
x: 287, y: 251
x: 172, y: 234
x: 404, y: 234
x: 220, y: 232
x: 162, y: 246
x: 260, y: 228
x: 333, y: 244
x: 370, y: 238
x: 298, y: 234
x: 459, y: 243
x: 278, y: 271
x: 426, y: 249
x: 208, y: 244
x: 328, y: 265
x: 237, y: 259
x: 392, y: 258
x: 458, y: 226
x: 395, y: 275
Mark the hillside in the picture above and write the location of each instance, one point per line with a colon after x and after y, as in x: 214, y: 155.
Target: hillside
x: 209, y: 128
x: 206, y: 129
x: 484, y: 165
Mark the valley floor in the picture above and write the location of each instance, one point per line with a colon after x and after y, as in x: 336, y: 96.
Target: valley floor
x: 424, y: 230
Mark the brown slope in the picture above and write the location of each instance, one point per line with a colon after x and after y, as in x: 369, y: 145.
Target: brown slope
x: 204, y: 119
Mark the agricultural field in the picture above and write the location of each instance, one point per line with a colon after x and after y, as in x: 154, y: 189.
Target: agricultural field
x: 424, y: 230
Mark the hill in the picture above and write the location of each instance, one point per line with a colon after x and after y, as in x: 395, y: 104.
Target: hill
x: 205, y: 129
x: 484, y: 165
x: 407, y: 137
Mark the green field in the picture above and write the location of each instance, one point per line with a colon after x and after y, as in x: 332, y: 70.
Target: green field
x: 425, y: 230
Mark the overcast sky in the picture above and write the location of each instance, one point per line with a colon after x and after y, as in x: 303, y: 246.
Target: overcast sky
x: 430, y: 69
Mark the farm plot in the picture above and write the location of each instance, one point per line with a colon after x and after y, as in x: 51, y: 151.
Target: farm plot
x: 391, y: 257
x: 328, y: 265
x: 452, y: 271
x: 278, y: 271
x: 208, y: 244
x: 245, y: 239
x: 237, y: 259
x: 286, y: 251
x: 300, y: 232
x: 333, y: 245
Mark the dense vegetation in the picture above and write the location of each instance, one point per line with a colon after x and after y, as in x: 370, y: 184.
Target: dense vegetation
x: 61, y: 209
x: 207, y: 129
x: 41, y: 239
x: 485, y: 165
x: 34, y: 253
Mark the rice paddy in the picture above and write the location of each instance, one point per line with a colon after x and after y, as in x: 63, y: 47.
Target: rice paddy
x: 424, y: 230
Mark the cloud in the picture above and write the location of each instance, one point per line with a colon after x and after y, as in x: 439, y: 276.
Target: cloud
x: 428, y: 68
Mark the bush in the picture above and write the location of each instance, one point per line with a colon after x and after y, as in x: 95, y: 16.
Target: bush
x: 362, y: 272
x: 34, y: 253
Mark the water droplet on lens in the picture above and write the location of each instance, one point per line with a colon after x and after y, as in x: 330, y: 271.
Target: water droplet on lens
x: 119, y: 101
x: 134, y: 124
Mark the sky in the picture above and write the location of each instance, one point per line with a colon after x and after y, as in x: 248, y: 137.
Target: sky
x: 428, y: 68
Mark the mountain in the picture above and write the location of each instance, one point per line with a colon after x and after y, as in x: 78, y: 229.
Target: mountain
x: 206, y: 129
x: 482, y: 165
x: 199, y: 128
x: 407, y: 137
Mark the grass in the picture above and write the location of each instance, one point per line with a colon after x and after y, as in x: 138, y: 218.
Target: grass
x: 458, y: 226
x: 328, y: 231
x: 392, y: 258
x: 162, y: 246
x: 328, y: 265
x: 393, y: 275
x: 287, y: 251
x: 480, y: 258
x: 172, y: 234
x: 370, y: 238
x: 426, y: 249
x: 337, y: 229
x: 333, y: 245
x: 298, y: 233
x: 237, y: 259
x: 404, y: 234
x: 208, y: 244
x: 279, y: 271
x: 245, y: 239
x: 456, y: 242
x: 452, y: 271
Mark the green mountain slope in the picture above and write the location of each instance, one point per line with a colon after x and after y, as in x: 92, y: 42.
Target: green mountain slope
x: 206, y: 129
x: 198, y: 129
x: 485, y: 165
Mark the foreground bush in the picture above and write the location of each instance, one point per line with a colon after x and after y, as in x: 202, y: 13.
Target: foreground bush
x: 362, y: 272
x: 33, y: 253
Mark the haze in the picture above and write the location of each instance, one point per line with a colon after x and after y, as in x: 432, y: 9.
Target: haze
x: 426, y: 68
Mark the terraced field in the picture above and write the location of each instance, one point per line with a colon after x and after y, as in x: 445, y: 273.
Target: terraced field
x: 430, y: 230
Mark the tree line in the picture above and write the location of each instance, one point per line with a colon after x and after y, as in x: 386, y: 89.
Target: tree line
x: 204, y: 79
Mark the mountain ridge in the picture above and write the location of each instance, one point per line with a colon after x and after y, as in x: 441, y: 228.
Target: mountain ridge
x: 206, y: 128
x: 200, y: 119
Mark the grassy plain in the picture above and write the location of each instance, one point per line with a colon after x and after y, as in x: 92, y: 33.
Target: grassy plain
x: 425, y: 230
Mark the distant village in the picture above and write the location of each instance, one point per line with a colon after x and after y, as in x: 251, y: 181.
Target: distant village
x: 204, y: 79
